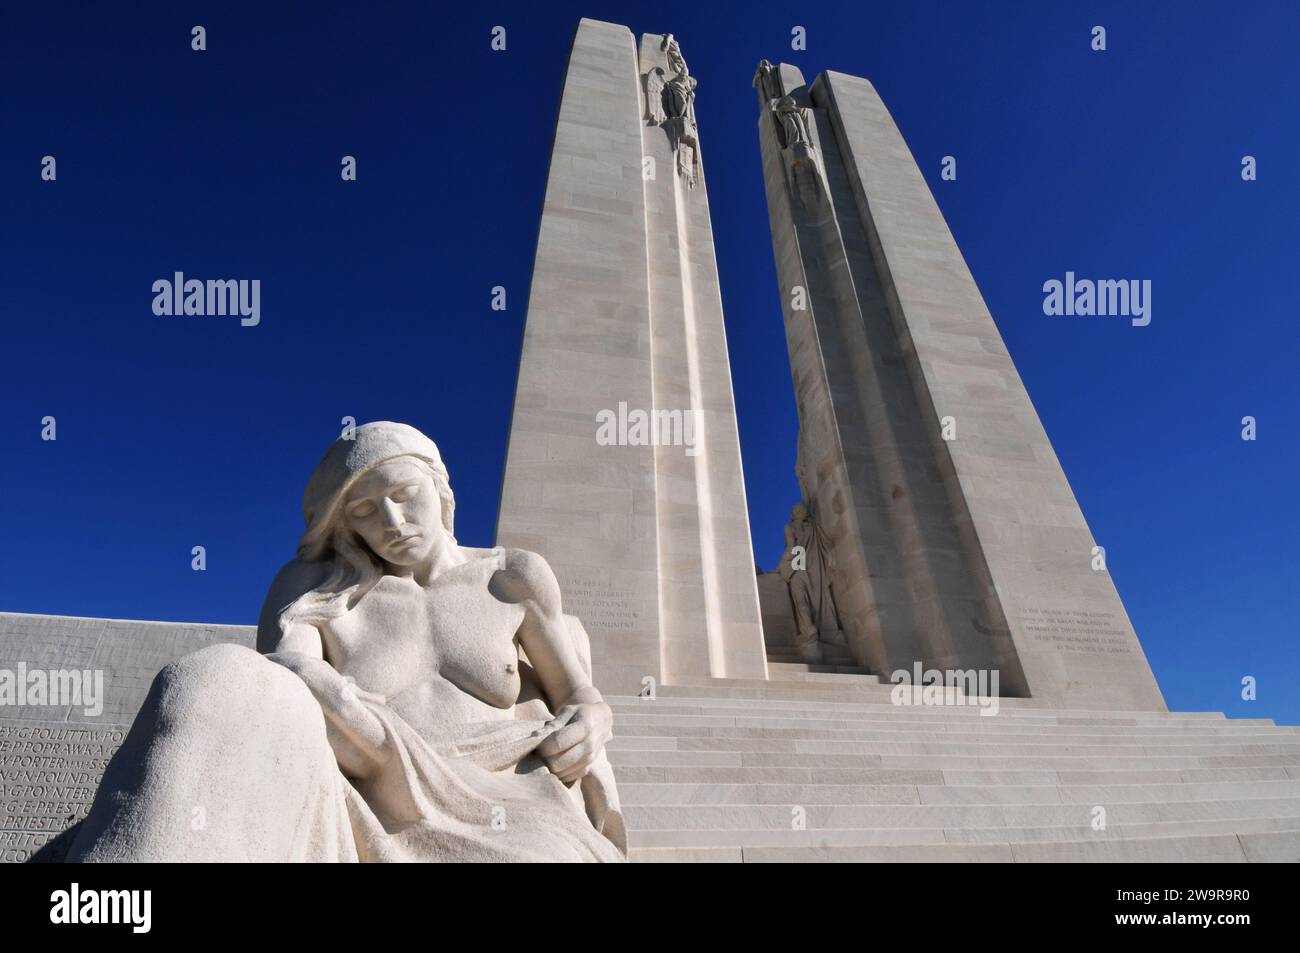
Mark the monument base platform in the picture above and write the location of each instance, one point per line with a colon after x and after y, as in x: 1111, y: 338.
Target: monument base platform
x: 810, y: 765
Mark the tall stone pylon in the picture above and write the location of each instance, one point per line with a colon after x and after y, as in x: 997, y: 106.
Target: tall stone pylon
x: 955, y: 540
x: 623, y: 467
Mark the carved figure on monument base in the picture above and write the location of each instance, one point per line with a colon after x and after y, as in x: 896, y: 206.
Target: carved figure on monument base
x: 418, y: 700
x: 804, y: 568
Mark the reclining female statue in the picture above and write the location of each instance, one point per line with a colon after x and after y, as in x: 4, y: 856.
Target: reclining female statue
x: 418, y: 700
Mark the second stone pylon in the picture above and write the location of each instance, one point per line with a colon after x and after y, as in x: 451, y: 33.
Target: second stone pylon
x: 623, y: 467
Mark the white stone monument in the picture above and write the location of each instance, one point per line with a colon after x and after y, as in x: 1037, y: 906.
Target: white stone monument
x: 954, y: 538
x: 648, y: 533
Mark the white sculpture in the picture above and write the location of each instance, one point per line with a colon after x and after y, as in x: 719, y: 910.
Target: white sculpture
x: 654, y: 96
x: 793, y: 121
x: 420, y: 700
x: 805, y: 569
x: 768, y: 83
x: 673, y: 52
x: 799, y: 150
x: 670, y: 103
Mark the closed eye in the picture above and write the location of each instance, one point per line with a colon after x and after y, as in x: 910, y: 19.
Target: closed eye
x: 404, y: 493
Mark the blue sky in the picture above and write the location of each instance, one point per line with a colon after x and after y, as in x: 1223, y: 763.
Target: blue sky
x: 375, y: 294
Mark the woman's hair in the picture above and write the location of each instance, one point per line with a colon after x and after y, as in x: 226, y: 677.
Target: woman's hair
x: 354, y: 568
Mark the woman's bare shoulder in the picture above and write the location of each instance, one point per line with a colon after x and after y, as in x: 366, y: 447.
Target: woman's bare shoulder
x: 295, y: 579
x: 524, y: 576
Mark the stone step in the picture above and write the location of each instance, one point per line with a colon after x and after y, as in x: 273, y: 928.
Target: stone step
x: 696, y: 726
x: 695, y: 774
x: 1056, y: 763
x: 840, y: 702
x: 799, y: 663
x: 837, y: 689
x: 1274, y: 845
x: 848, y: 675
x: 1125, y: 776
x: 785, y: 837
x: 893, y: 719
x: 876, y: 714
x: 635, y: 730
x: 830, y: 654
x: 875, y: 836
x: 759, y: 759
x: 686, y: 855
x: 970, y: 794
x: 860, y: 690
x: 712, y: 771
x: 807, y: 729
x: 1040, y: 747
x: 710, y: 820
x: 1236, y: 825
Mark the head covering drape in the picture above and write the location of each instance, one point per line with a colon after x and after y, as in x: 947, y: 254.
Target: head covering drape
x: 349, y: 457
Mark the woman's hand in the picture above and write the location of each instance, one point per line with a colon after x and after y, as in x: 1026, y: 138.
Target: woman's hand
x: 582, y: 722
x: 579, y: 735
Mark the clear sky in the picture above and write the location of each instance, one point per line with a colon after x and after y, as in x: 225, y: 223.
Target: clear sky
x: 375, y: 294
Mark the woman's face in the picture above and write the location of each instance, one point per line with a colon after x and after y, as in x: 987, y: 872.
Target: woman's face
x: 396, y: 509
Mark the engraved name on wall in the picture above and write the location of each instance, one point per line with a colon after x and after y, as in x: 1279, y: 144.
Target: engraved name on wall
x: 48, y: 777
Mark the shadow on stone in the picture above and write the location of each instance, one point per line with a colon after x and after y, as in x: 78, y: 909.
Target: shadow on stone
x: 56, y: 851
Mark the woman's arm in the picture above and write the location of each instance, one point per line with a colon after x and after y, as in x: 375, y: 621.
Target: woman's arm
x: 354, y: 732
x: 356, y: 735
x: 583, y: 721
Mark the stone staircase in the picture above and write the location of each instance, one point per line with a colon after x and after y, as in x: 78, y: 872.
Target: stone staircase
x: 722, y: 770
x: 784, y: 664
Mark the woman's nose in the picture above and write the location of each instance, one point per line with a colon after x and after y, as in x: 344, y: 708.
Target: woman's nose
x: 392, y: 514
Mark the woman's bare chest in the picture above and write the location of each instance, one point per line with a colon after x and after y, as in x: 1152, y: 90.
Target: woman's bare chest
x: 402, y: 636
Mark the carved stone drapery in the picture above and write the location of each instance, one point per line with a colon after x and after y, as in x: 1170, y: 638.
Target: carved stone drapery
x: 794, y: 124
x: 805, y: 568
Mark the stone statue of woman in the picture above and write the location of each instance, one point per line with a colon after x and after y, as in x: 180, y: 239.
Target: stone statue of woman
x: 418, y: 700
x: 794, y: 122
x: 804, y: 569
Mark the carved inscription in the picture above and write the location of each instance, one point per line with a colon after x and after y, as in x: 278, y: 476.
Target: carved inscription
x: 599, y: 606
x: 48, y: 777
x: 1087, y: 632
